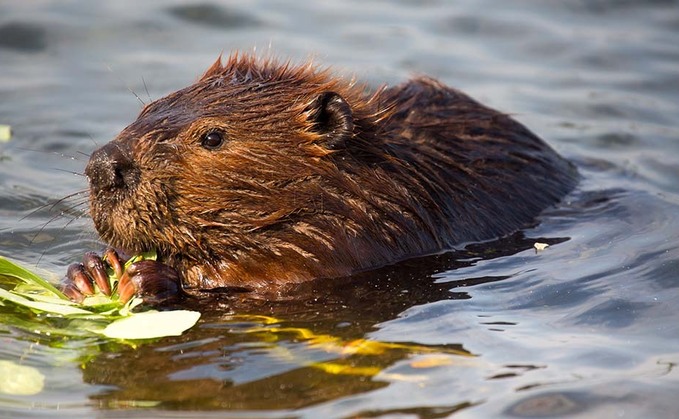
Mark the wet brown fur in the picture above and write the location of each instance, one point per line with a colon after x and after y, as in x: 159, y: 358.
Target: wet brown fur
x: 425, y: 169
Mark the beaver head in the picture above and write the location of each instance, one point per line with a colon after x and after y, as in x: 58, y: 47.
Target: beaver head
x: 238, y: 172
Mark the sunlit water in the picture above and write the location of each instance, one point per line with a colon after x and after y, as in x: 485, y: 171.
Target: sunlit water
x: 588, y: 327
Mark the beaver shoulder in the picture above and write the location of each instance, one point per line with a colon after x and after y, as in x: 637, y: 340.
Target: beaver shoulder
x: 262, y: 173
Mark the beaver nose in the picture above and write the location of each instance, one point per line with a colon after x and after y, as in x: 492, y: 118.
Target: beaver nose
x: 111, y: 168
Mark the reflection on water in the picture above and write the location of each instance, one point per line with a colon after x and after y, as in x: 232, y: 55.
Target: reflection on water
x: 585, y: 327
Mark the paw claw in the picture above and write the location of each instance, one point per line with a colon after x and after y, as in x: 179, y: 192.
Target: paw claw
x: 126, y: 289
x: 113, y: 259
x: 71, y: 290
x: 79, y: 279
x: 97, y: 270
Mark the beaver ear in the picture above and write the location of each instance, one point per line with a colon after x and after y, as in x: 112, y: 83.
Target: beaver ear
x: 332, y: 117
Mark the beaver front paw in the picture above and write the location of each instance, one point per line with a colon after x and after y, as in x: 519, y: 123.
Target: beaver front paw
x: 155, y: 282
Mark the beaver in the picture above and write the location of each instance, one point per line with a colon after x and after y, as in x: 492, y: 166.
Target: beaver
x: 264, y: 173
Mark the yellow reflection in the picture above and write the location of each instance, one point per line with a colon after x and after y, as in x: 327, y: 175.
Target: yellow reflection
x: 353, y: 354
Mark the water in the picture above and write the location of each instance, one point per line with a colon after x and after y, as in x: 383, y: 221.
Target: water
x: 586, y: 328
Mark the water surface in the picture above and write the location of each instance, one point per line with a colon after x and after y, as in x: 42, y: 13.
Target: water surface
x: 587, y: 327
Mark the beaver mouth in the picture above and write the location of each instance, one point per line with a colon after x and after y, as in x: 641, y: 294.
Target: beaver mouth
x: 121, y: 241
x: 116, y: 205
x: 135, y: 221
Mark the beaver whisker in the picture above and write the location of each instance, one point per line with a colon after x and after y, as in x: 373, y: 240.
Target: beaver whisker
x: 55, y: 153
x: 52, y: 204
x: 69, y: 172
x: 129, y: 89
x: 146, y: 89
x: 61, y: 214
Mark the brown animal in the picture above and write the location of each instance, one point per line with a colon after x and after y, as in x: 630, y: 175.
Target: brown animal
x: 263, y: 174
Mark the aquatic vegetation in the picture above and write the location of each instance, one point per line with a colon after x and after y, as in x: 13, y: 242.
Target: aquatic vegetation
x: 98, y: 314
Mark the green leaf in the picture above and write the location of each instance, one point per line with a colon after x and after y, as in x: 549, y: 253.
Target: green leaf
x: 11, y: 269
x: 45, y: 298
x: 20, y: 380
x: 152, y: 324
x: 99, y: 300
x: 150, y: 255
x: 62, y: 309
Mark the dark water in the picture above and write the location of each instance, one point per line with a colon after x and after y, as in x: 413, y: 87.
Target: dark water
x: 589, y: 327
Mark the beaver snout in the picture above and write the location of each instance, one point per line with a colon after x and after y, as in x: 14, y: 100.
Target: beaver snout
x: 111, y: 169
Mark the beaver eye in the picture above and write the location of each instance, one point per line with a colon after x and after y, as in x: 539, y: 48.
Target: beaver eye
x: 212, y: 140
